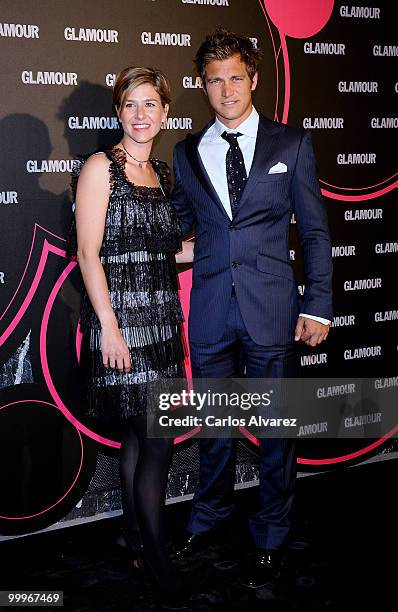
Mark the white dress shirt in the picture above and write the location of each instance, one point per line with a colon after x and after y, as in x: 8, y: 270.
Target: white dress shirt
x: 213, y: 150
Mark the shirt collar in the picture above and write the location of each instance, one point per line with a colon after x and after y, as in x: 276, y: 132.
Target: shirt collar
x: 248, y: 127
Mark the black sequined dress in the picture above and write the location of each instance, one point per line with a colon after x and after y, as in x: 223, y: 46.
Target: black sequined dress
x: 140, y: 240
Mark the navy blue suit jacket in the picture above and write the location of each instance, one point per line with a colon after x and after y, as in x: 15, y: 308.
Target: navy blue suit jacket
x: 252, y: 250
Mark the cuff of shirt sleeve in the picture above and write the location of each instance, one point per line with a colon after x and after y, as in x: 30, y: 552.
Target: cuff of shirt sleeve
x: 320, y: 319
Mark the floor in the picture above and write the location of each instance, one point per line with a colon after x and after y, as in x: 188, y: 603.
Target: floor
x: 342, y: 557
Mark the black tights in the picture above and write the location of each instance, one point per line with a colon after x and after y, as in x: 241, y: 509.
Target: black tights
x: 144, y: 464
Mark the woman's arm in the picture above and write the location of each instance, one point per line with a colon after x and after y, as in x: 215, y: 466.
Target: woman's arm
x: 92, y: 198
x: 186, y: 255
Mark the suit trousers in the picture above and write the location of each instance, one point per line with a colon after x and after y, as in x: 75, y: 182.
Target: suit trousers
x: 213, y: 500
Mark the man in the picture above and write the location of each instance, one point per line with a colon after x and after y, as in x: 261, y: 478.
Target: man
x: 238, y: 181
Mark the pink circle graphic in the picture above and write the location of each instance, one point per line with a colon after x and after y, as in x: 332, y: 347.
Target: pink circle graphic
x: 333, y: 460
x: 75, y: 478
x: 303, y: 19
x: 299, y: 18
x: 102, y: 440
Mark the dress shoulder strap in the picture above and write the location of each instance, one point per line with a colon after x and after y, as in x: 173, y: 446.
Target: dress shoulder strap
x: 77, y: 166
x: 78, y: 163
x: 164, y: 175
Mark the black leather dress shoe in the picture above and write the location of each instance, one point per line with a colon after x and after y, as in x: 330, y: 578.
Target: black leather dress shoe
x: 192, y: 543
x: 263, y: 569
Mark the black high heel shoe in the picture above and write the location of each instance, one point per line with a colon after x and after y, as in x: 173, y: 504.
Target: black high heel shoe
x: 176, y: 599
x: 133, y: 554
x: 168, y: 599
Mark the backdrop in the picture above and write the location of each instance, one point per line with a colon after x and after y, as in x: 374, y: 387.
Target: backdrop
x: 328, y: 66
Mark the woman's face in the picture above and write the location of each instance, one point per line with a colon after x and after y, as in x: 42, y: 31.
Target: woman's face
x: 142, y: 113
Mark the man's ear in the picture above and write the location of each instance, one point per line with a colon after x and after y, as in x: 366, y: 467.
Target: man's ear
x: 254, y: 81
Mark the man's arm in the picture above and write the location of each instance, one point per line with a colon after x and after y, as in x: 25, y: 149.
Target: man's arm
x: 180, y: 200
x: 315, y: 240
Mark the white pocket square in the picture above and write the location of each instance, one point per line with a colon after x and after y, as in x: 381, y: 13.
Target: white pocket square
x: 278, y: 168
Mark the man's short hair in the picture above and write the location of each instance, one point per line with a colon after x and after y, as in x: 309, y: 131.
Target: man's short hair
x: 222, y: 45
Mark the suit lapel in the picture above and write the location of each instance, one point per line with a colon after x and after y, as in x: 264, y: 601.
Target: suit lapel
x: 191, y: 147
x: 266, y: 144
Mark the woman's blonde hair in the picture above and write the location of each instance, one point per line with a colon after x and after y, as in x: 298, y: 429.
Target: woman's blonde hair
x: 132, y: 77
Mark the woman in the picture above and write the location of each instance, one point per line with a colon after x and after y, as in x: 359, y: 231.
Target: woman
x: 127, y: 237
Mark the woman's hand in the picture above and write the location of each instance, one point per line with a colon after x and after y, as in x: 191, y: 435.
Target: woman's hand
x: 186, y: 255
x: 115, y: 352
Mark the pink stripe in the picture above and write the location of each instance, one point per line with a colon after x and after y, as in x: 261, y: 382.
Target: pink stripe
x: 332, y: 460
x: 359, y: 198
x: 79, y: 337
x: 185, y: 281
x: 46, y: 370
x: 47, y: 247
x: 361, y: 188
x: 47, y: 231
x: 276, y: 55
x: 28, y: 261
x: 353, y: 455
x: 24, y: 272
x: 249, y: 436
x: 29, y: 296
x: 20, y: 518
x: 186, y: 436
x: 287, y: 78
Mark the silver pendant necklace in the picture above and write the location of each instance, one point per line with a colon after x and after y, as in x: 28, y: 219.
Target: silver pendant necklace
x: 140, y: 162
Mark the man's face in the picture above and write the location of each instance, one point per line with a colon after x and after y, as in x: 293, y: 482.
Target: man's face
x: 229, y: 90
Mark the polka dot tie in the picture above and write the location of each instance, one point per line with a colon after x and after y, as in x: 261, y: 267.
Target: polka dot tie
x: 235, y: 167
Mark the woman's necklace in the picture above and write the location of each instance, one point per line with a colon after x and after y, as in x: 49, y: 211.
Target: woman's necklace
x: 140, y: 162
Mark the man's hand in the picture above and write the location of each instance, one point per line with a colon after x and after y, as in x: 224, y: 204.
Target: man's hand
x: 311, y: 332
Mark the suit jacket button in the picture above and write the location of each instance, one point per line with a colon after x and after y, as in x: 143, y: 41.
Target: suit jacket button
x: 232, y: 228
x: 235, y: 264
